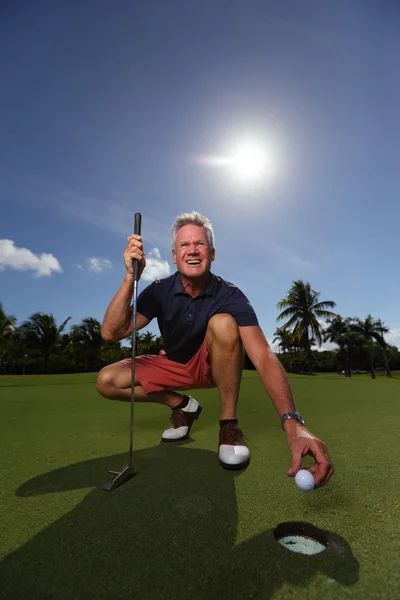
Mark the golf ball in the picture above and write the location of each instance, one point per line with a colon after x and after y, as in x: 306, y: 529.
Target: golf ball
x: 304, y: 480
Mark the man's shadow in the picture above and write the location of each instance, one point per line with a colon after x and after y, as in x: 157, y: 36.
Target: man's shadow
x: 168, y: 533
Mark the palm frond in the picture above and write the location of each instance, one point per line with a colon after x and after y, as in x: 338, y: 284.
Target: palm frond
x: 324, y: 313
x: 287, y: 313
x: 291, y: 322
x: 63, y: 325
x: 325, y: 304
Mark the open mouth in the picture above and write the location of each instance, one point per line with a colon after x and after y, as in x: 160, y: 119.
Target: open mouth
x: 193, y: 262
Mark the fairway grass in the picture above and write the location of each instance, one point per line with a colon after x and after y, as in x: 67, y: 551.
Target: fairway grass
x: 183, y: 527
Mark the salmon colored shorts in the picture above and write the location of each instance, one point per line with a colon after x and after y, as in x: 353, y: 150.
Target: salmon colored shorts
x: 157, y: 373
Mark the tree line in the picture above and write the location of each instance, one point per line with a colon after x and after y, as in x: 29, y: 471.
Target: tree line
x: 39, y: 345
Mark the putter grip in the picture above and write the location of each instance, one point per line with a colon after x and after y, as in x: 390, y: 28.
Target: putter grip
x: 138, y: 224
x: 137, y: 230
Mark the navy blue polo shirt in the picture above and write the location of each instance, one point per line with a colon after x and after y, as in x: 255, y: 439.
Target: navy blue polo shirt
x: 183, y: 320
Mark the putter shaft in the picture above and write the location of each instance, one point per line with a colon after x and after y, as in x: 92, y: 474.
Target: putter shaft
x: 127, y: 471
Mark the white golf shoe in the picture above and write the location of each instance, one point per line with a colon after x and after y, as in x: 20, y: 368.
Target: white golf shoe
x: 182, y: 420
x: 233, y: 452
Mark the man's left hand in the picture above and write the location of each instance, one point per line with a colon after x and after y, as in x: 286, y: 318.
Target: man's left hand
x: 302, y: 443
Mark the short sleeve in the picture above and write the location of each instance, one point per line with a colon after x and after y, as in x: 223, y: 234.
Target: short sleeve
x: 148, y: 303
x: 237, y: 305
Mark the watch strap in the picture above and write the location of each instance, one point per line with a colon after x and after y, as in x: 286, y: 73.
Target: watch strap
x: 292, y: 415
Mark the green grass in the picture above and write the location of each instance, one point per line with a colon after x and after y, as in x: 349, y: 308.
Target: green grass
x: 184, y: 528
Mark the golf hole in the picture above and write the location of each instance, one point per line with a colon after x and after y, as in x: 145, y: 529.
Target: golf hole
x: 303, y: 538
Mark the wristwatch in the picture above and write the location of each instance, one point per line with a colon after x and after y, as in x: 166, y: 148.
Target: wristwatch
x: 292, y: 415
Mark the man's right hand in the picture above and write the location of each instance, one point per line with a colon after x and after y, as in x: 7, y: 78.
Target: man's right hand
x: 134, y: 251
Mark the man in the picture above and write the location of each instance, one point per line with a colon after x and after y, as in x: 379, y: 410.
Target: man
x: 206, y: 324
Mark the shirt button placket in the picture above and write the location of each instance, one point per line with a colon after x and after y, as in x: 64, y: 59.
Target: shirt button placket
x: 190, y: 314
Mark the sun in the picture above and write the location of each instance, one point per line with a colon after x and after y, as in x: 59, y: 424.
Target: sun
x: 247, y: 162
x: 250, y: 161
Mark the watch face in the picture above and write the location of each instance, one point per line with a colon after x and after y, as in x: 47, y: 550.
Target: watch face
x: 296, y: 416
x: 292, y: 415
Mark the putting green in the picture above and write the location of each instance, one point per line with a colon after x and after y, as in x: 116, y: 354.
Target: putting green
x: 183, y: 527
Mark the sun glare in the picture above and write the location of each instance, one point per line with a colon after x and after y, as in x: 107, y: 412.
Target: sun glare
x: 250, y: 162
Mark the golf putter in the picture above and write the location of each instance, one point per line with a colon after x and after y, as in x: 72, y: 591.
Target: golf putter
x: 127, y: 471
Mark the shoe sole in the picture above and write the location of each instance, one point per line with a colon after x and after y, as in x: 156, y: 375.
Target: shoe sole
x: 242, y: 465
x: 185, y: 437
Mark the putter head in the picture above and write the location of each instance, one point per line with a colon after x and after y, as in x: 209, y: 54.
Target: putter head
x: 119, y: 479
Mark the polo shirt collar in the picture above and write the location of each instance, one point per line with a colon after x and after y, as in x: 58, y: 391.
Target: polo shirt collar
x: 177, y: 287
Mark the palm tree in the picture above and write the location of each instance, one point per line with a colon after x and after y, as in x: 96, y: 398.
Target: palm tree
x: 7, y: 333
x: 383, y: 344
x: 112, y: 352
x: 7, y: 324
x: 148, y: 337
x: 303, y: 307
x: 41, y: 333
x: 350, y: 343
x: 146, y: 342
x: 283, y: 337
x: 87, y: 341
x: 336, y: 327
x: 139, y: 341
x: 295, y: 342
x: 371, y: 330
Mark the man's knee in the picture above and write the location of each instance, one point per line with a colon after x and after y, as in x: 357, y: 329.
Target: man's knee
x: 223, y: 327
x: 105, y: 380
x: 114, y: 377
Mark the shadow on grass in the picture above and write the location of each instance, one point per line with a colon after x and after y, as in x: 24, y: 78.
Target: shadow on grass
x: 168, y: 533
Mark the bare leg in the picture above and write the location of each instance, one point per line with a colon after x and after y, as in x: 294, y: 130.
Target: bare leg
x: 227, y: 360
x: 114, y: 382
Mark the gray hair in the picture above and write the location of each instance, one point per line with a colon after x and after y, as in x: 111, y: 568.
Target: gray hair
x: 192, y: 218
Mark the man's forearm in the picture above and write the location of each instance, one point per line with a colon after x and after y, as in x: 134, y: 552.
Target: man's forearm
x: 118, y: 317
x: 276, y: 383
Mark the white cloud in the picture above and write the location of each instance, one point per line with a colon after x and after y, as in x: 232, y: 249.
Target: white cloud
x: 22, y: 259
x: 275, y: 346
x: 393, y: 337
x: 325, y: 346
x: 96, y: 264
x: 155, y: 267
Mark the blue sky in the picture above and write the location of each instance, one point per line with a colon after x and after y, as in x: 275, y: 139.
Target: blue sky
x: 107, y: 109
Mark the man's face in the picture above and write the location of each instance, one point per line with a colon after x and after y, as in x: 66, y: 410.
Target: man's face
x: 193, y: 257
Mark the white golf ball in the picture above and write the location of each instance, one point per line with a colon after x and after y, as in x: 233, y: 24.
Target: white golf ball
x: 304, y: 480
